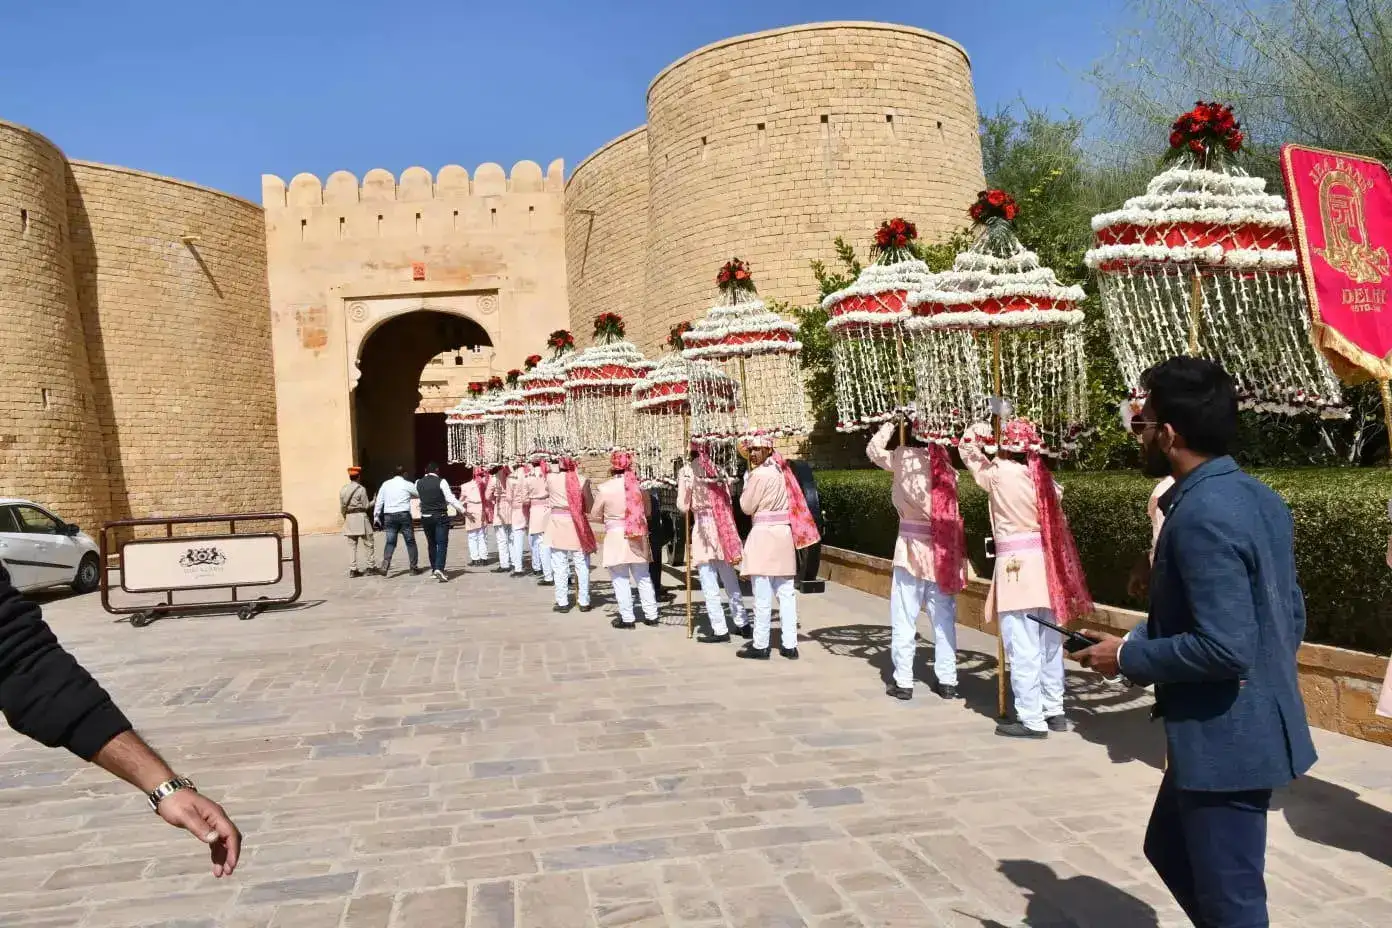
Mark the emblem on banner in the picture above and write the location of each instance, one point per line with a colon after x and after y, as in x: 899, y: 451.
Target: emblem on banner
x: 203, y: 557
x: 1342, y: 214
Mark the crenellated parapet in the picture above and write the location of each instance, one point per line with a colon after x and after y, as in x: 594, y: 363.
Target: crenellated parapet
x: 415, y: 185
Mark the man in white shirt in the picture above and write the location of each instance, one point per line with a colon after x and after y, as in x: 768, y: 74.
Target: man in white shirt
x: 393, y: 515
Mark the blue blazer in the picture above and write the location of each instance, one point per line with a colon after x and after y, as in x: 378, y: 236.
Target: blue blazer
x: 1226, y: 619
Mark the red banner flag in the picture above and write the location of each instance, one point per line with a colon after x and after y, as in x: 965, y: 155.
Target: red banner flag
x: 1341, y: 209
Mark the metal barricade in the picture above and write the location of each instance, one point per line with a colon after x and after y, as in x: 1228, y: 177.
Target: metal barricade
x: 167, y: 563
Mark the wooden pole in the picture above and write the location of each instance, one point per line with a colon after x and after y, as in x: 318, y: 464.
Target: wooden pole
x: 1195, y: 311
x: 1386, y: 391
x: 1001, y: 669
x: 690, y: 614
x: 899, y: 379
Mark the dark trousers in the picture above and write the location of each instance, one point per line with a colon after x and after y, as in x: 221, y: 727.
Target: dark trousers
x: 1210, y: 849
x: 393, y: 524
x: 436, y: 530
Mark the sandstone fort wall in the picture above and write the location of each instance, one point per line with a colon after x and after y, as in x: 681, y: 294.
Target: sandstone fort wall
x: 49, y: 449
x: 768, y: 146
x: 606, y: 229
x: 171, y: 277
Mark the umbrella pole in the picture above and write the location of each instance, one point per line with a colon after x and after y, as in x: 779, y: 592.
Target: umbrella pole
x: 686, y: 548
x: 1195, y: 312
x: 1001, y: 669
x: 899, y: 380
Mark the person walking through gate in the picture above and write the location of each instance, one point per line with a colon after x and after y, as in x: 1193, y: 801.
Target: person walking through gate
x: 393, y: 515
x: 1226, y: 619
x: 437, y: 505
x: 474, y: 492
x: 1037, y: 571
x: 929, y: 566
x: 538, y: 518
x: 517, y: 527
x: 624, y: 509
x: 568, y: 534
x: 781, y: 525
x: 715, y: 546
x: 355, y: 505
x: 500, y: 497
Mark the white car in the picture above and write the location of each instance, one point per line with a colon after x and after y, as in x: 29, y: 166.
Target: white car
x: 40, y: 550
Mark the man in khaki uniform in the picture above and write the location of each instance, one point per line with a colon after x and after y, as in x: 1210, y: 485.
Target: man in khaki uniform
x: 355, y: 504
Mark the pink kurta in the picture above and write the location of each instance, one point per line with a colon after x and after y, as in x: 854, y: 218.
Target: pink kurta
x: 694, y: 496
x: 473, y: 505
x: 913, y: 500
x: 1020, y: 579
x: 539, y: 512
x: 560, y: 530
x: 517, y: 486
x: 609, y: 508
x: 768, y: 551
x: 1157, y: 518
x: 501, y: 492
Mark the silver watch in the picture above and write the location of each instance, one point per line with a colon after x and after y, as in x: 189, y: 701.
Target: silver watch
x: 167, y: 789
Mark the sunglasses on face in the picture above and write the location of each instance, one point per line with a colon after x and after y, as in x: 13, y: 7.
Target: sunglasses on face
x: 1139, y: 426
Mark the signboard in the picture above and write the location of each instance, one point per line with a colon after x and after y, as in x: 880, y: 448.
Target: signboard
x: 418, y: 270
x: 1341, y: 210
x: 200, y: 562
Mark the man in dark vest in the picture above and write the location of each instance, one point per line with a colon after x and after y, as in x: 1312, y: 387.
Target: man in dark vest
x: 437, y: 504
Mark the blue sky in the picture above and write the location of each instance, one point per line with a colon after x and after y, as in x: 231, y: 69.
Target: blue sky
x: 219, y: 93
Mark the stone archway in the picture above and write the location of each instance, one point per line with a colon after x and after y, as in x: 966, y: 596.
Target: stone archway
x: 387, y: 432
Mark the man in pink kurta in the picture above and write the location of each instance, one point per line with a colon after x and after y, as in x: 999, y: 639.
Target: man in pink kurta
x: 1019, y: 586
x: 563, y: 536
x: 500, y: 495
x: 538, y: 517
x: 714, y: 565
x: 517, y: 526
x: 471, y: 494
x: 915, y: 586
x: 625, y: 556
x: 770, y: 556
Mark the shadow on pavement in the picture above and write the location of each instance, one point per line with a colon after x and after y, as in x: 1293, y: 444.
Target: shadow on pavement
x: 1079, y: 900
x: 1334, y: 816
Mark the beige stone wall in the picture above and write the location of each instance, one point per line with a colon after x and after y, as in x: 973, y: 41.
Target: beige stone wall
x: 47, y: 410
x: 606, y: 235
x: 768, y: 146
x: 344, y: 257
x: 443, y: 382
x: 171, y: 281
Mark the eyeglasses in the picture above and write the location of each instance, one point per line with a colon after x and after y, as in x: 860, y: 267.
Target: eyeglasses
x: 1139, y: 426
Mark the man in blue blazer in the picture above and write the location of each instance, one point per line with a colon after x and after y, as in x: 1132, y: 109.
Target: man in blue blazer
x: 1226, y: 619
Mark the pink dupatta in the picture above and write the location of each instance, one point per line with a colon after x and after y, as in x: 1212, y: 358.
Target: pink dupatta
x: 1068, y: 592
x: 575, y: 502
x: 722, y: 508
x: 804, y: 527
x: 481, y: 481
x: 635, y: 521
x: 949, y: 535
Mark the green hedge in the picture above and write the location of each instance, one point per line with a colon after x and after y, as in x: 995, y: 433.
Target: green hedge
x: 1340, y: 537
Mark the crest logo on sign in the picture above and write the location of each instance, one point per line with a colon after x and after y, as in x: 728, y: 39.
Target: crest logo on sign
x: 1343, y: 217
x: 203, y: 557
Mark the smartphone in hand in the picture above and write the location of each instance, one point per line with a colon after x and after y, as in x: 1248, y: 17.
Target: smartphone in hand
x: 1073, y: 642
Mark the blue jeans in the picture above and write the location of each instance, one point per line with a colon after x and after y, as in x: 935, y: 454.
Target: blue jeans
x: 436, y: 529
x: 394, y: 523
x: 1210, y: 849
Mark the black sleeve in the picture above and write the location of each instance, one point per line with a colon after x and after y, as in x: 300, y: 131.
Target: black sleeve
x: 44, y: 692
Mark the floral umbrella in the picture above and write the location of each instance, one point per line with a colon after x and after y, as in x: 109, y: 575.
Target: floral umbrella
x: 1204, y: 263
x: 999, y: 324
x: 543, y: 426
x: 662, y: 403
x: 874, y: 381
x: 464, y: 428
x: 599, y: 391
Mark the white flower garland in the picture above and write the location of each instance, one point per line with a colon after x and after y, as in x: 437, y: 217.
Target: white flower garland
x: 747, y: 317
x: 852, y: 320
x: 908, y: 276
x: 1241, y: 258
x: 1018, y: 319
x: 1024, y: 260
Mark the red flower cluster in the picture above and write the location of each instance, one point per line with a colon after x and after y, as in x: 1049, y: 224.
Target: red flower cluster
x: 495, y: 382
x: 559, y: 339
x: 994, y: 204
x: 677, y: 335
x: 609, y: 324
x: 476, y: 387
x: 895, y: 233
x: 512, y: 376
x: 532, y: 361
x: 735, y: 277
x: 1206, y: 128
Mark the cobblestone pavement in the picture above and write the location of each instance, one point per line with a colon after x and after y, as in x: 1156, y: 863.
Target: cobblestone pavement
x: 405, y: 753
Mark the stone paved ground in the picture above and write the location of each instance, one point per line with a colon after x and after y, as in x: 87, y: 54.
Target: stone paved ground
x: 401, y: 753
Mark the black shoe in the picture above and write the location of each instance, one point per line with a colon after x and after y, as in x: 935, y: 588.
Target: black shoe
x: 417, y: 571
x: 946, y: 692
x: 652, y: 623
x: 1057, y: 723
x: 899, y: 692
x: 705, y: 638
x: 620, y: 623
x: 501, y: 570
x: 586, y: 607
x: 546, y: 583
x: 518, y: 573
x: 753, y: 653
x: 1018, y: 730
x: 561, y: 609
x: 354, y: 574
x: 790, y: 653
x: 745, y: 631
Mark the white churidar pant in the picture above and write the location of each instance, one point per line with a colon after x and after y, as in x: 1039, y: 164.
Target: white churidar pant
x: 478, y: 545
x: 519, y: 544
x: 624, y: 576
x: 561, y: 562
x: 765, y: 589
x: 500, y: 536
x: 541, y: 556
x: 1035, y: 654
x: 907, y: 597
x: 714, y: 575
